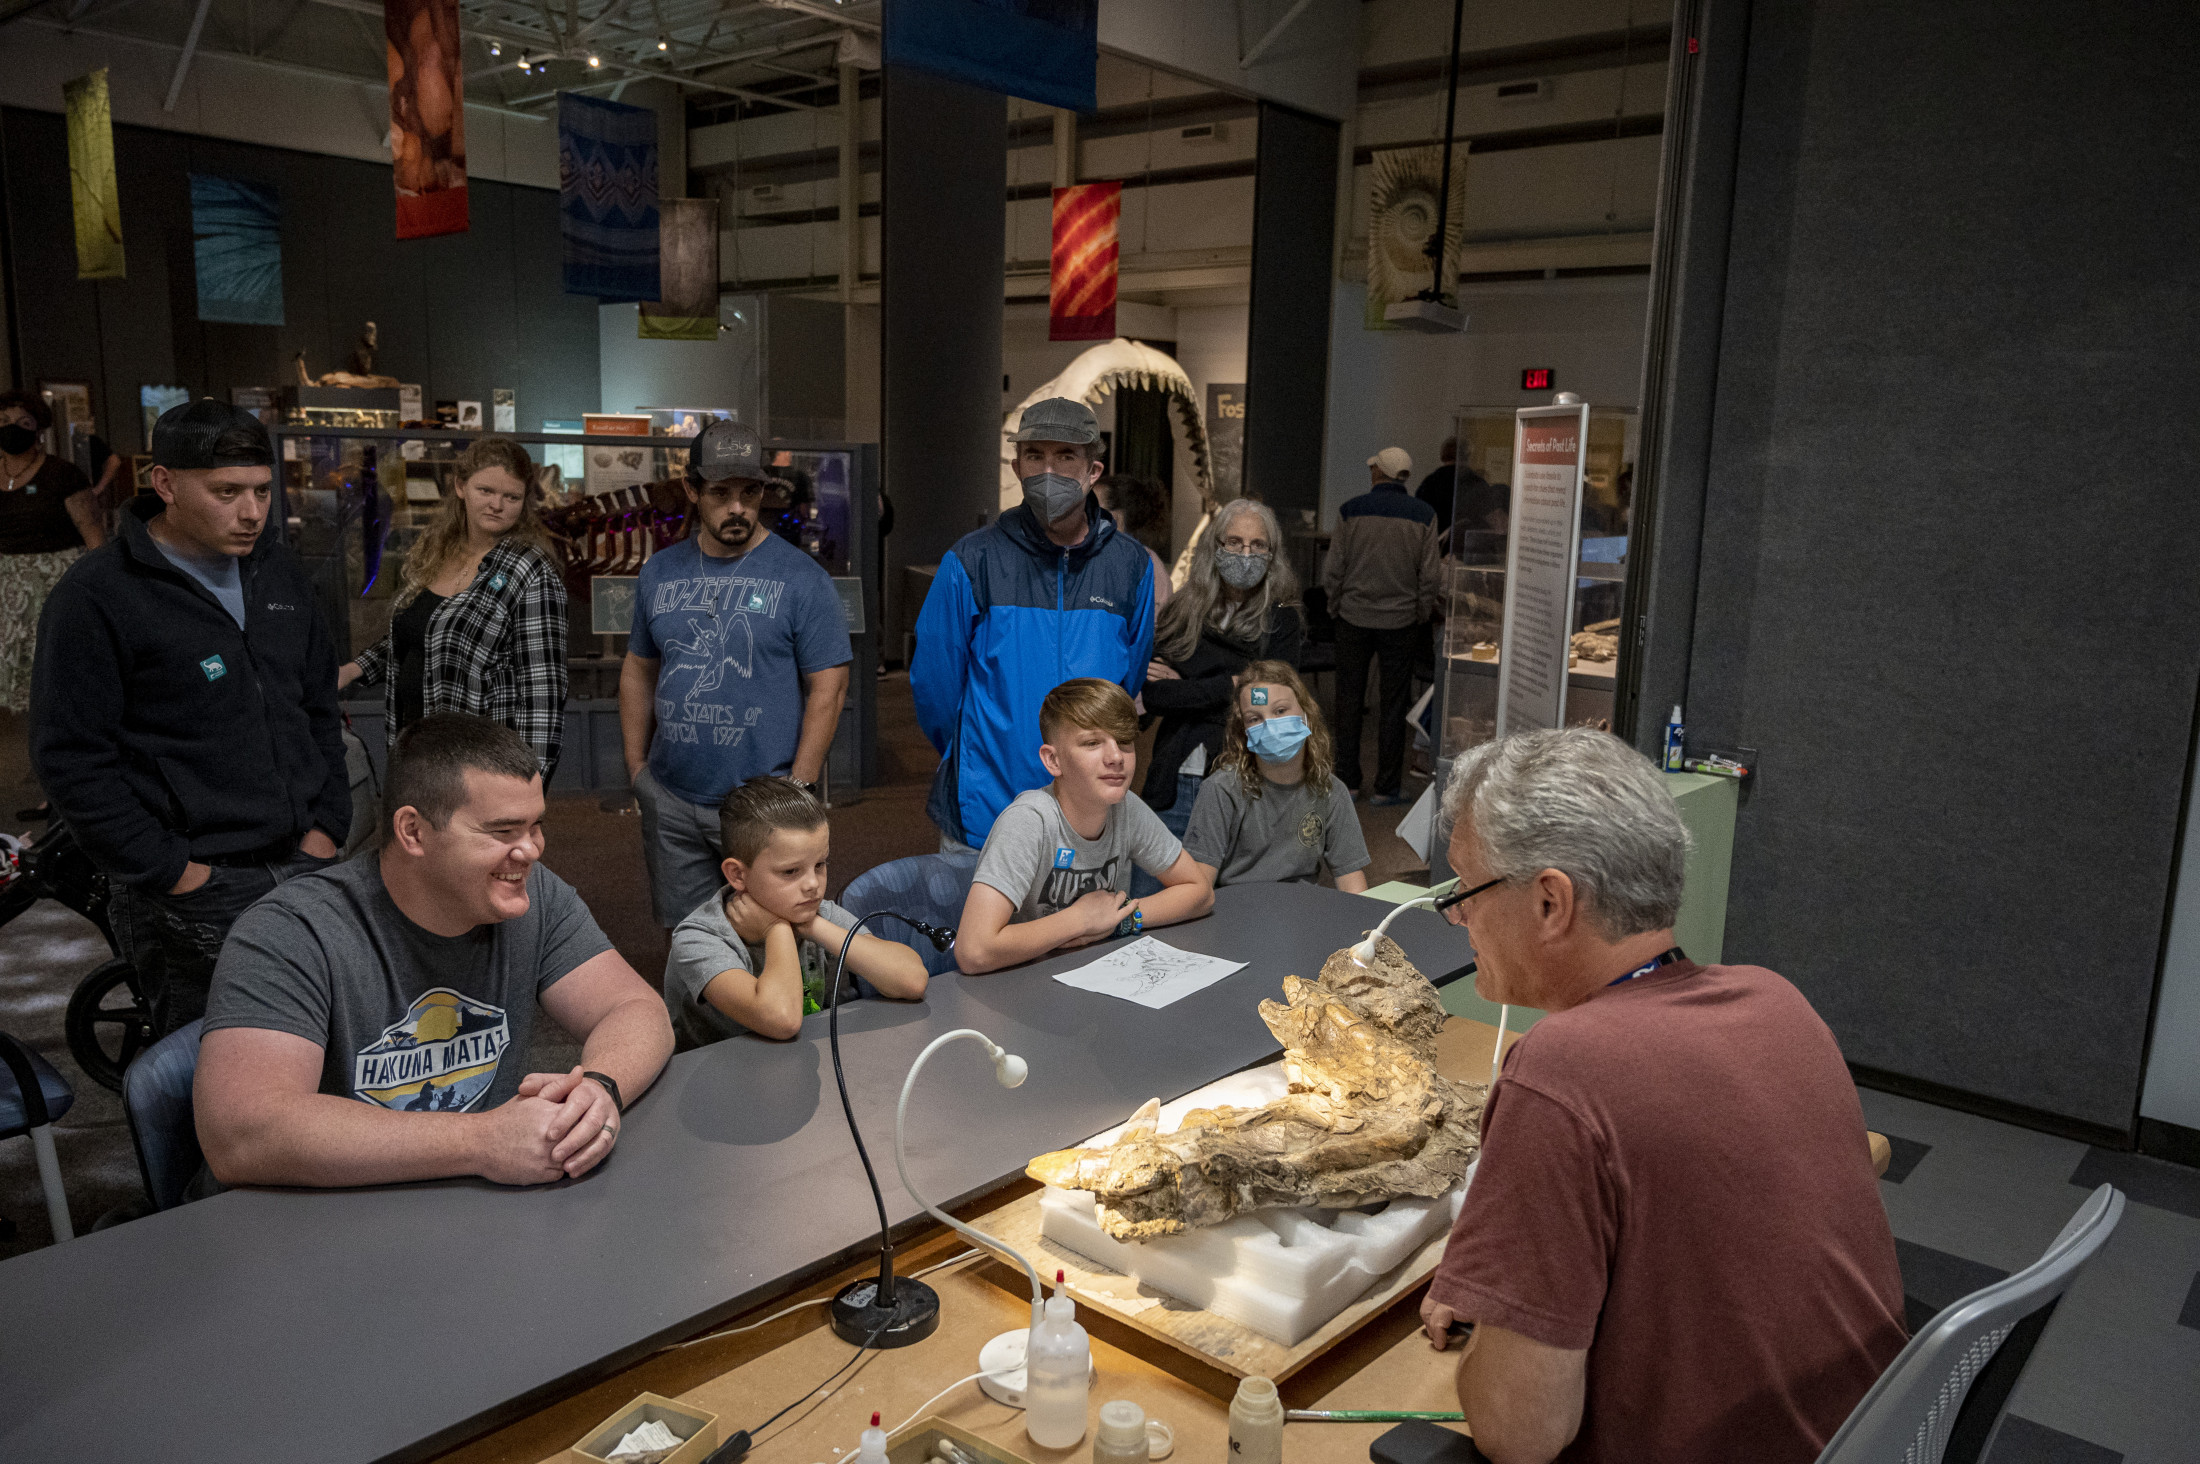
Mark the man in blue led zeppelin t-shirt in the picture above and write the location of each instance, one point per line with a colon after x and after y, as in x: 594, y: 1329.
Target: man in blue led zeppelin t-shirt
x: 737, y: 667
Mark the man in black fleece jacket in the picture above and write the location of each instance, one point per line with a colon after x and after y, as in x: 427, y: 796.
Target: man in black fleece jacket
x: 183, y: 707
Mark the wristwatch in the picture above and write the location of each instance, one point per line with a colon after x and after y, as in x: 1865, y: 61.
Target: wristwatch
x: 815, y: 790
x: 610, y: 1087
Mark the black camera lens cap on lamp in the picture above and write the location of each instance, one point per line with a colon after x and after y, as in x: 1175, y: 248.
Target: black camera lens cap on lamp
x: 885, y: 1311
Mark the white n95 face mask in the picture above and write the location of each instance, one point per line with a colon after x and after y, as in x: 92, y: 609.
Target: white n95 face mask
x: 1051, y: 496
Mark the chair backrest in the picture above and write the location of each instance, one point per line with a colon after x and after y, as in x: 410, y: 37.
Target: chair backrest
x: 1939, y: 1400
x: 156, y: 1095
x: 928, y: 886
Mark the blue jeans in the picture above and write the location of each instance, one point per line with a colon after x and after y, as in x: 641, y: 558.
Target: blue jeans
x: 1176, y: 818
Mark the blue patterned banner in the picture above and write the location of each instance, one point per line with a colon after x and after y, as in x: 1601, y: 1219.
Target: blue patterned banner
x: 237, y: 243
x: 1040, y: 50
x: 607, y: 198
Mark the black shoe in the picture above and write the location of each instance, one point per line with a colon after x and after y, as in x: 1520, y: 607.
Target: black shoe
x: 1387, y: 800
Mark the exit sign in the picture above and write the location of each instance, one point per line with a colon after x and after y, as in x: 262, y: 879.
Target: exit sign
x: 1537, y: 378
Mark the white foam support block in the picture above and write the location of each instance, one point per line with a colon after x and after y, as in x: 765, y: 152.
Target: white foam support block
x: 1283, y: 1273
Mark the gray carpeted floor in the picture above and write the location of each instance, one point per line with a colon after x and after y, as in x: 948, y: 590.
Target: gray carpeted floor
x: 45, y: 952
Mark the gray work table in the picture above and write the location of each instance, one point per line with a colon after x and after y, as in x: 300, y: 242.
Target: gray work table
x: 395, y: 1323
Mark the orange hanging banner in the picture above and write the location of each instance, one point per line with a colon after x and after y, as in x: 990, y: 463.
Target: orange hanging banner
x: 1081, y: 294
x: 427, y: 116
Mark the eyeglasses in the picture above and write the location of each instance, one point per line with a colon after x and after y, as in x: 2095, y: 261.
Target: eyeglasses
x: 1446, y: 905
x: 1246, y: 546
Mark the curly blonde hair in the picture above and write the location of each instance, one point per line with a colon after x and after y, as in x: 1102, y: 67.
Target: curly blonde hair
x: 1320, y: 749
x: 445, y: 537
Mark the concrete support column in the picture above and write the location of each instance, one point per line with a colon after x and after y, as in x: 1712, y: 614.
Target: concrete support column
x: 943, y: 217
x: 1065, y: 147
x: 851, y: 182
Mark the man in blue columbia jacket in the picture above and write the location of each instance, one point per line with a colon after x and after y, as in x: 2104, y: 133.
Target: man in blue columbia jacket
x: 1050, y: 591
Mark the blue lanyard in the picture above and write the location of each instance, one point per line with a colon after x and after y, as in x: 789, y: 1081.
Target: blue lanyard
x: 1666, y: 958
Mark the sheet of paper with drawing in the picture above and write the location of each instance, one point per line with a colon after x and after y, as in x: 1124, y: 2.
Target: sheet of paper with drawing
x: 1150, y: 973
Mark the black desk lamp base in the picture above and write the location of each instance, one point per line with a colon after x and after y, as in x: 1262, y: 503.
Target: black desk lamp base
x: 859, y: 1319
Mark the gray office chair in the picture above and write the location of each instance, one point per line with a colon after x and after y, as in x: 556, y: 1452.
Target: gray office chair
x: 156, y: 1097
x: 929, y: 886
x: 32, y: 1096
x: 1941, y: 1399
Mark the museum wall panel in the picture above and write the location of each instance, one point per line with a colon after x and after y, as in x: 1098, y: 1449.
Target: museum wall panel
x: 461, y: 314
x: 1946, y: 585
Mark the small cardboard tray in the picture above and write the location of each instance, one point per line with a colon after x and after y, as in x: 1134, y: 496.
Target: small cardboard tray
x: 913, y: 1444
x: 697, y: 1428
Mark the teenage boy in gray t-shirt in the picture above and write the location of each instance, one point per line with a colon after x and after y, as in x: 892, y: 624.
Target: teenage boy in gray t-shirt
x: 370, y: 1023
x: 1057, y: 865
x: 758, y: 955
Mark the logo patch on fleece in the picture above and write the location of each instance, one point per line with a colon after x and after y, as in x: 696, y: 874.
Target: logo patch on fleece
x: 213, y: 668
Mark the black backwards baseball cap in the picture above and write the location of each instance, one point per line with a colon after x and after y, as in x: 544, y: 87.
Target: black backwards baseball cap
x: 1057, y: 419
x: 725, y: 450
x: 210, y: 434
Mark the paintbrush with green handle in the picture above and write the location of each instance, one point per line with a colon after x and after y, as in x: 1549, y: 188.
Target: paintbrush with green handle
x: 1366, y: 1415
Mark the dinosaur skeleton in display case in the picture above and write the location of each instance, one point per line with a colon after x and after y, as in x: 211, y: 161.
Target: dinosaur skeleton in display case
x: 1367, y: 1118
x: 1114, y: 366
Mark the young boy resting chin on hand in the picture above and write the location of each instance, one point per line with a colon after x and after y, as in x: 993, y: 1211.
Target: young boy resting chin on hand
x: 1057, y: 866
x: 757, y: 956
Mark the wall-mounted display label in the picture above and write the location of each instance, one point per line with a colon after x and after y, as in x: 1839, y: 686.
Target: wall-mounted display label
x: 611, y: 603
x: 1537, y: 378
x: 1540, y: 557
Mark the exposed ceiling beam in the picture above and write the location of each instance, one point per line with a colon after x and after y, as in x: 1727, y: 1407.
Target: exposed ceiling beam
x: 190, y: 49
x: 1275, y: 33
x: 1598, y: 51
x: 838, y: 17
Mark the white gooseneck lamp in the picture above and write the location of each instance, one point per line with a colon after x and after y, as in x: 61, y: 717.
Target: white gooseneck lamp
x: 1364, y: 953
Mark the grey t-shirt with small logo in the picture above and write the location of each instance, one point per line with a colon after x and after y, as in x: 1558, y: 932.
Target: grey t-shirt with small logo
x: 406, y: 1018
x: 1043, y: 865
x: 705, y: 946
x: 1285, y: 834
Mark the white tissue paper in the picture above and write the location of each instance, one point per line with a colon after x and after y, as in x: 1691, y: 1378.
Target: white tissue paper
x: 648, y: 1439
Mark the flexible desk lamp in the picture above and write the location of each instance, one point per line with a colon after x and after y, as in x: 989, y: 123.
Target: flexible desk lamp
x: 1364, y: 954
x: 888, y: 1311
x: 1003, y: 1356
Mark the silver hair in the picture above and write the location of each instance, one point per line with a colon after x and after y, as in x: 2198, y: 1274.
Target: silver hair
x: 1586, y: 804
x: 1201, y: 606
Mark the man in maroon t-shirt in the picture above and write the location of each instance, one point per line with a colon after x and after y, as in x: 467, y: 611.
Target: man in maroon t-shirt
x: 1673, y: 1248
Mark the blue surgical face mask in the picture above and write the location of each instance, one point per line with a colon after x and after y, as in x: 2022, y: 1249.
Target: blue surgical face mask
x: 1278, y: 739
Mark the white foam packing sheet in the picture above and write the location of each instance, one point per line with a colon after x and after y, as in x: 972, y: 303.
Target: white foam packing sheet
x: 1282, y: 1273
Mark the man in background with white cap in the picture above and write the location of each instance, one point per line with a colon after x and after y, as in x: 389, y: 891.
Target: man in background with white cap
x: 1381, y: 581
x: 1049, y: 592
x: 737, y: 668
x: 183, y: 711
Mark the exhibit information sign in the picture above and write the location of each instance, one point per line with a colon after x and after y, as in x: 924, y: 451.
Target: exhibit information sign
x: 1543, y: 544
x: 611, y: 603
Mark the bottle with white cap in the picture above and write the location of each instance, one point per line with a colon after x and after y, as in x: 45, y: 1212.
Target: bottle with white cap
x: 1675, y: 739
x: 1256, y: 1423
x: 1057, y: 1374
x: 1122, y: 1435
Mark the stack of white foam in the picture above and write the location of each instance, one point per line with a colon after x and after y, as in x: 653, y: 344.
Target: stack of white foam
x: 1283, y: 1273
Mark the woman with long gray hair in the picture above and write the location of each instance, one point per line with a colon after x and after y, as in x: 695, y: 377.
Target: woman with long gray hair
x: 1239, y: 604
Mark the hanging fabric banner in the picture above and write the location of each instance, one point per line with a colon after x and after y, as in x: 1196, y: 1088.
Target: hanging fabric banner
x: 607, y: 198
x: 237, y: 245
x: 427, y: 116
x: 1081, y: 291
x: 92, y: 178
x: 1040, y: 50
x: 687, y: 230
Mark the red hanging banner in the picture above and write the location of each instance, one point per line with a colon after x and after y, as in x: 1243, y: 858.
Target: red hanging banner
x: 427, y: 116
x: 1081, y: 296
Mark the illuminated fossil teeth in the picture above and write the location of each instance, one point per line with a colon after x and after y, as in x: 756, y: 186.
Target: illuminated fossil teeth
x: 1367, y: 1118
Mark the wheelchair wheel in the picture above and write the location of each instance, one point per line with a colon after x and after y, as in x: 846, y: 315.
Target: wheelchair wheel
x: 108, y: 1023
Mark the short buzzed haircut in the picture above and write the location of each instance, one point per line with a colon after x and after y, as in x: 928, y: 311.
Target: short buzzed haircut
x: 757, y: 809
x: 1089, y: 704
x: 428, y: 772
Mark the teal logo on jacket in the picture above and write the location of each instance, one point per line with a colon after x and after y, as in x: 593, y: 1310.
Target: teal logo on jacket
x: 213, y: 668
x: 497, y: 582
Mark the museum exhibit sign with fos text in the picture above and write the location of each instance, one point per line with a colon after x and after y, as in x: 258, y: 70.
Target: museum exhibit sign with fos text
x: 1542, y: 547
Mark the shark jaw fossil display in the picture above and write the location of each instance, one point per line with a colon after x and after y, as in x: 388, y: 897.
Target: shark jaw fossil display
x: 1367, y: 1118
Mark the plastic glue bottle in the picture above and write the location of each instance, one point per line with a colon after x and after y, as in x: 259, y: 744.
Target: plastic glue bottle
x: 871, y: 1448
x: 1057, y: 1374
x: 1256, y: 1423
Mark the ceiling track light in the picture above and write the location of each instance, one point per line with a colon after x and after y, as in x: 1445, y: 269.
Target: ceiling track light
x: 664, y: 43
x: 495, y: 49
x: 523, y: 61
x: 594, y: 59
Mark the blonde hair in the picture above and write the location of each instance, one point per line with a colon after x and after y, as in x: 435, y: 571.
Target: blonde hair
x: 445, y: 537
x: 1320, y: 750
x: 1090, y: 704
x: 1201, y: 606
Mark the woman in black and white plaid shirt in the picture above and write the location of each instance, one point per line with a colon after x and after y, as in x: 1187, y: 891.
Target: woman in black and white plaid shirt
x: 479, y: 625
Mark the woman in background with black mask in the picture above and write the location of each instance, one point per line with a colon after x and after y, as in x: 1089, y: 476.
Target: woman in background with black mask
x: 48, y: 516
x: 1239, y: 604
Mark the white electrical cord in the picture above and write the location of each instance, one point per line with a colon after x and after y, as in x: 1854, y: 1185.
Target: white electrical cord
x: 951, y: 1387
x: 1497, y: 1053
x: 1010, y: 1070
x: 813, y: 1301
